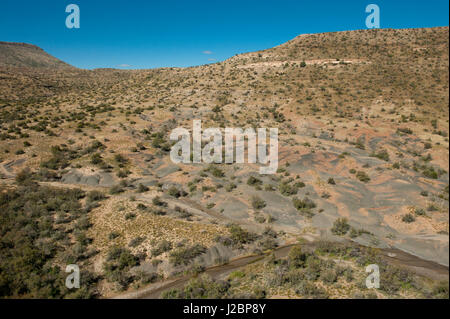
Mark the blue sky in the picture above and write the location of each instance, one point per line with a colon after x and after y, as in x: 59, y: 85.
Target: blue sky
x: 149, y: 34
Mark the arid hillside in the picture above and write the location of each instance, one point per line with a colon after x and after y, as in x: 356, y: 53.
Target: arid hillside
x: 362, y: 116
x: 23, y: 55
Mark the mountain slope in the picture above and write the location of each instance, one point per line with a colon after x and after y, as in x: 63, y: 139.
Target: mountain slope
x: 27, y: 72
x: 22, y: 55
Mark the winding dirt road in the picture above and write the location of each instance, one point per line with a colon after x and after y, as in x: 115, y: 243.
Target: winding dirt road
x: 154, y: 291
x: 396, y: 257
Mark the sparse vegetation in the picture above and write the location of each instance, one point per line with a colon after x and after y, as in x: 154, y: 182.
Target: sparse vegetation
x: 368, y: 106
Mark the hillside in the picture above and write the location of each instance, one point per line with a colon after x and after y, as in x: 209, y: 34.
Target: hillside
x: 363, y: 165
x: 22, y: 55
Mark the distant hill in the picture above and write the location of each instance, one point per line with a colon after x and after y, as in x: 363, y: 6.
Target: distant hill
x: 342, y: 72
x: 28, y: 72
x: 22, y: 55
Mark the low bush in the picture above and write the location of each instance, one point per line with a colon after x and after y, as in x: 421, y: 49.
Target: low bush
x: 362, y: 176
x: 162, y: 247
x: 408, y: 218
x: 340, y: 227
x: 258, y: 203
x: 185, y: 255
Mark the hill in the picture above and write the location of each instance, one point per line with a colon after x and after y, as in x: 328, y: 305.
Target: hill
x: 22, y: 55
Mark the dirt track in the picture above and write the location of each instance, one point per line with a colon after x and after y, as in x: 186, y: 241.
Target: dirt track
x: 154, y: 291
x: 420, y: 266
x: 393, y: 256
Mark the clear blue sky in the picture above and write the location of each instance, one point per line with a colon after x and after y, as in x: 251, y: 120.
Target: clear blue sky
x: 148, y: 34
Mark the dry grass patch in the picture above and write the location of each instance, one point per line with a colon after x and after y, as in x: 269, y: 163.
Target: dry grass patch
x: 110, y: 218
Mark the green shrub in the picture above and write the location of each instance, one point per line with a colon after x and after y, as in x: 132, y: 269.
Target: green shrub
x: 24, y: 177
x: 116, y: 189
x: 120, y: 159
x: 240, y: 236
x: 440, y: 290
x: 94, y: 196
x: 202, y: 287
x: 340, y: 227
x: 419, y: 212
x: 142, y: 188
x: 158, y: 202
x: 404, y: 130
x: 253, y: 181
x: 162, y: 247
x: 96, y: 159
x: 122, y: 173
x: 408, y: 218
x: 310, y: 290
x: 329, y: 276
x: 215, y: 171
x: 362, y: 176
x: 304, y: 205
x: 287, y: 189
x: 258, y: 203
x: 229, y: 187
x: 175, y: 192
x: 297, y: 258
x: 382, y: 154
x: 185, y: 255
x: 136, y: 241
